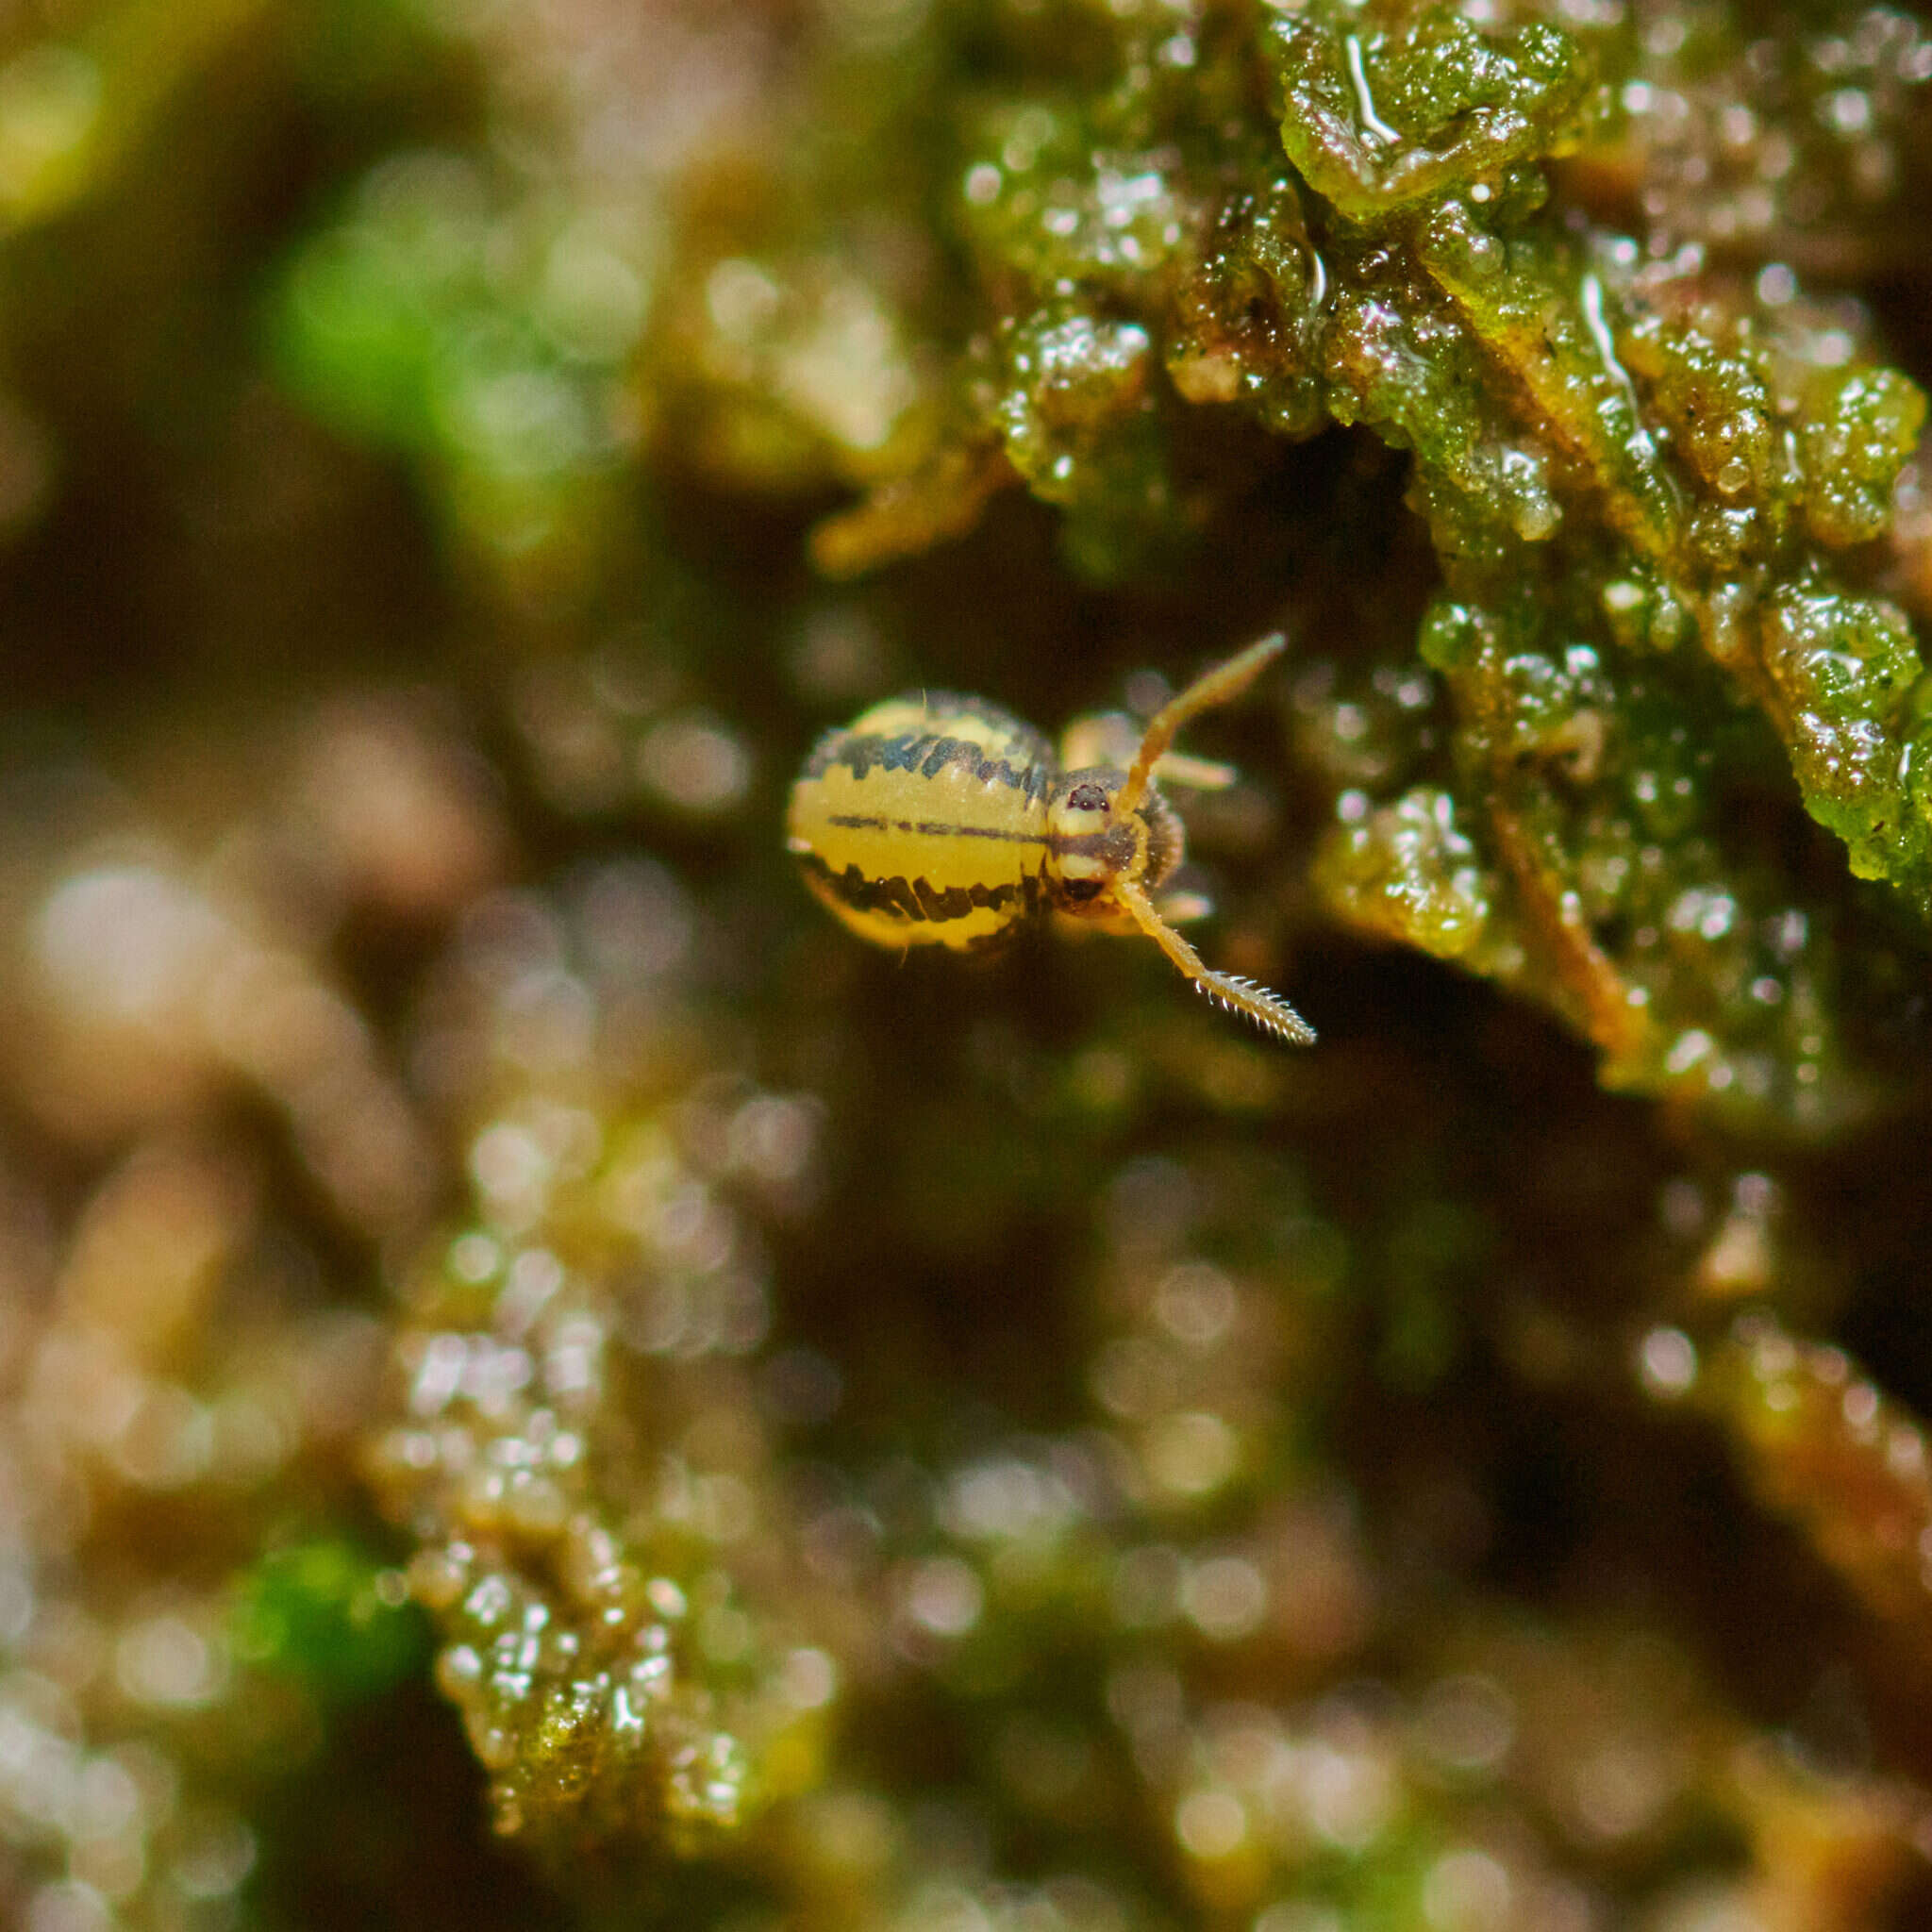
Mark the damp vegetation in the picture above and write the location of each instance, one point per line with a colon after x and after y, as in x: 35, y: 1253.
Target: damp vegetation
x: 545, y: 1383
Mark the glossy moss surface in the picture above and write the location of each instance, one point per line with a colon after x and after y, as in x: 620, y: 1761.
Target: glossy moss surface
x: 543, y: 1384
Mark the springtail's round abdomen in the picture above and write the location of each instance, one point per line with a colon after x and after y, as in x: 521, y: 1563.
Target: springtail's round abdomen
x: 923, y: 822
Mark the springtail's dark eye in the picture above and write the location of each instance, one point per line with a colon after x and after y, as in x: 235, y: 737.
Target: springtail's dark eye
x: 1087, y: 798
x: 1080, y: 891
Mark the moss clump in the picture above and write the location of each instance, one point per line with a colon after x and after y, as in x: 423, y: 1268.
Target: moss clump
x: 1423, y: 104
x: 1626, y: 454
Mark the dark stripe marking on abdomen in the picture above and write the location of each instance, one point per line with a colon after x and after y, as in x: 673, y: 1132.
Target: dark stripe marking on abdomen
x: 919, y: 900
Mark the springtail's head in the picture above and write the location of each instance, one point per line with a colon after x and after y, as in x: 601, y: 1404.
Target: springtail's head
x: 1092, y: 845
x: 1113, y: 841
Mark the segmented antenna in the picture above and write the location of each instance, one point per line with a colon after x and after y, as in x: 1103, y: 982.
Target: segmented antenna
x: 1267, y: 1010
x: 1216, y: 687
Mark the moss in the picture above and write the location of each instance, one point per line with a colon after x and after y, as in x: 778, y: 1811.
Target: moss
x: 1806, y: 1424
x: 1421, y: 106
x: 869, y: 1442
x: 322, y: 1611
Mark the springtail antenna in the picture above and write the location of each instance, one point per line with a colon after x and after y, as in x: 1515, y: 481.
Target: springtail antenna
x: 1217, y: 687
x: 1267, y: 1010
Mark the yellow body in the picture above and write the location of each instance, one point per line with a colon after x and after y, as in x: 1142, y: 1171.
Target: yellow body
x: 924, y: 822
x: 934, y: 820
